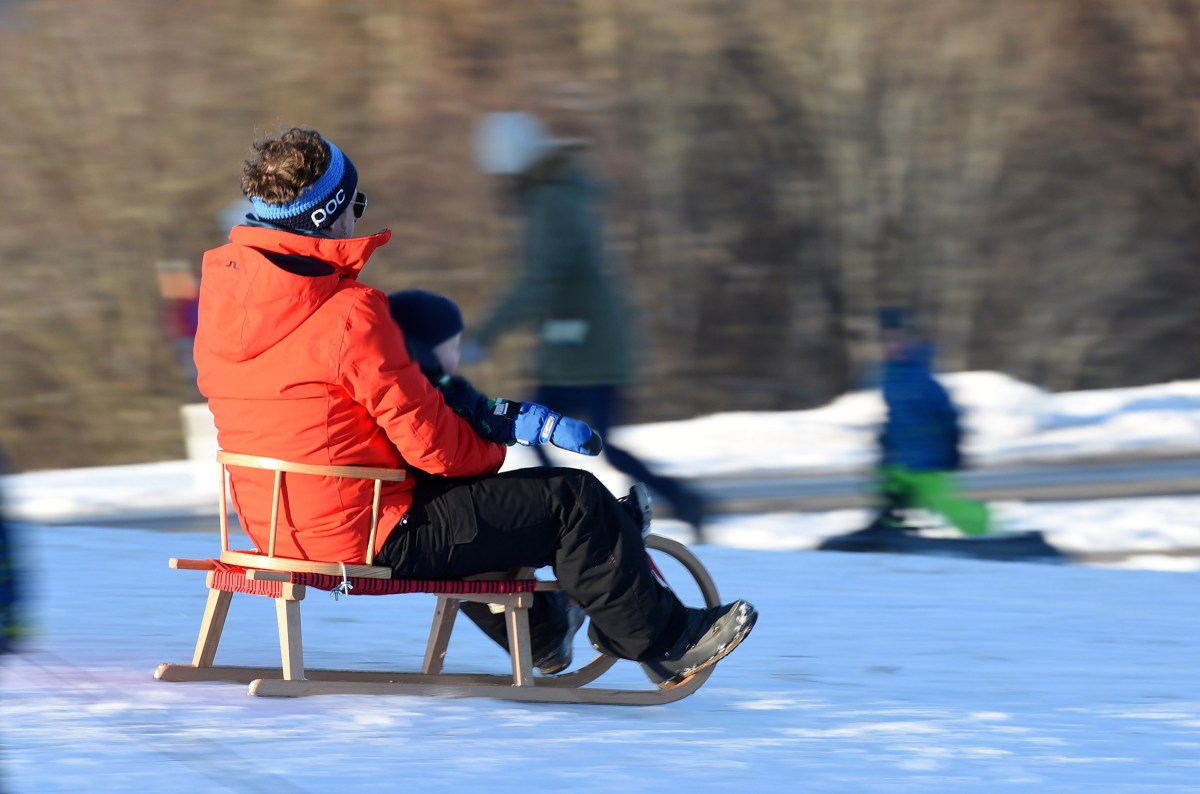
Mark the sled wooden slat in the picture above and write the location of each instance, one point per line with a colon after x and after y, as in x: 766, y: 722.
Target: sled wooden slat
x: 264, y: 562
x: 191, y: 565
x: 286, y: 581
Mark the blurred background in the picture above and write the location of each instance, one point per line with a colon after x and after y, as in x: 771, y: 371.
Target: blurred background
x: 1023, y: 174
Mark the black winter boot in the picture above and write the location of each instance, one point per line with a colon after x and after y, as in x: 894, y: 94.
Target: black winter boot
x: 639, y: 506
x: 709, y: 636
x: 560, y: 658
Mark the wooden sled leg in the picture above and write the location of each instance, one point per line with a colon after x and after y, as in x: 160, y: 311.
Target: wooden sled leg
x: 211, y: 627
x: 516, y: 619
x: 216, y: 609
x: 439, y: 635
x: 291, y: 641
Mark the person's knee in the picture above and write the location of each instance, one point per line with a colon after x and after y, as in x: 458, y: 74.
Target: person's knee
x: 591, y: 507
x: 580, y: 481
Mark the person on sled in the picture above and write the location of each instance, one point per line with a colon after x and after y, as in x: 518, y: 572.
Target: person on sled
x: 300, y: 360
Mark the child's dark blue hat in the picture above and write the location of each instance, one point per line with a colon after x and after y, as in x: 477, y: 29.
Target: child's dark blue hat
x: 893, y: 317
x: 427, y: 319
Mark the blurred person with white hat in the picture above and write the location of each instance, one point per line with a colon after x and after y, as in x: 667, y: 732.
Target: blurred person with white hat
x: 584, y: 352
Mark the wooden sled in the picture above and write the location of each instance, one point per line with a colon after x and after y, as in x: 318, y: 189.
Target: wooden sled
x: 287, y: 580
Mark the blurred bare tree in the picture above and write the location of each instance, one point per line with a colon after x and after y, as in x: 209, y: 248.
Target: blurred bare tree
x: 1024, y: 174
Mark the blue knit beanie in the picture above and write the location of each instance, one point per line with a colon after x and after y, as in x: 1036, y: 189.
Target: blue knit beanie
x: 427, y: 319
x: 320, y: 204
x: 894, y: 317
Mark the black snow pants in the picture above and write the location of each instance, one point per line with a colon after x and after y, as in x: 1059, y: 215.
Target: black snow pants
x: 560, y: 517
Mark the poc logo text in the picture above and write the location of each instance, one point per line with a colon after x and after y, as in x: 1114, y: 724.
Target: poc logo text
x: 321, y: 214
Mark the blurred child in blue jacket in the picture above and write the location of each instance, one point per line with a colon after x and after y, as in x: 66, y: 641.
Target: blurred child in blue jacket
x: 921, y: 437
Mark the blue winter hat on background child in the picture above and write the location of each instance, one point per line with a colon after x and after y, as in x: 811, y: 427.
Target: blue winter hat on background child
x: 894, y: 317
x: 321, y: 203
x: 427, y: 320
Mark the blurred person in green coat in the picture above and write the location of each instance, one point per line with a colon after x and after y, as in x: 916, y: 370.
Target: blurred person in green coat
x: 584, y: 352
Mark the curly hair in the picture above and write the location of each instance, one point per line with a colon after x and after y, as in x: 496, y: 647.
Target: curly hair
x: 282, y: 167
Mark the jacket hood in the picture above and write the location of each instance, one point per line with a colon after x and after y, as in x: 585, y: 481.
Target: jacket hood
x: 347, y: 254
x: 265, y: 283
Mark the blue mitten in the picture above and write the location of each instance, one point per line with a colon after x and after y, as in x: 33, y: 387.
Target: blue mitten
x: 575, y: 436
x: 537, y: 424
x: 533, y: 424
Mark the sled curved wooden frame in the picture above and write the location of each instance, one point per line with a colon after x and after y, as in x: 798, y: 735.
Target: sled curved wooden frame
x: 292, y: 679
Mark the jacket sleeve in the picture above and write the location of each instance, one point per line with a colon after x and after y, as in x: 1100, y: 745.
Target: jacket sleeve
x: 476, y: 409
x: 950, y: 423
x: 378, y: 373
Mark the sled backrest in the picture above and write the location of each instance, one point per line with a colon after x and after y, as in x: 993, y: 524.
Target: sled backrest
x: 281, y: 467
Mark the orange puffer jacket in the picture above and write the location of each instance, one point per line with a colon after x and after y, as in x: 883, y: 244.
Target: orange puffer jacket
x: 302, y: 362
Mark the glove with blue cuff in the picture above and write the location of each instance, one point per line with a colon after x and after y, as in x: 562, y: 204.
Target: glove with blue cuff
x: 536, y: 424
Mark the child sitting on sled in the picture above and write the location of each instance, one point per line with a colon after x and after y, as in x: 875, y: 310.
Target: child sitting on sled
x: 432, y: 325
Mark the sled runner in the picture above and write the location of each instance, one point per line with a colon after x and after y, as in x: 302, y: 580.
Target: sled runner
x: 287, y: 580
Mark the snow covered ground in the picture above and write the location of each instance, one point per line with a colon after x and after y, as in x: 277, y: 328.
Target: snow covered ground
x: 866, y: 673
